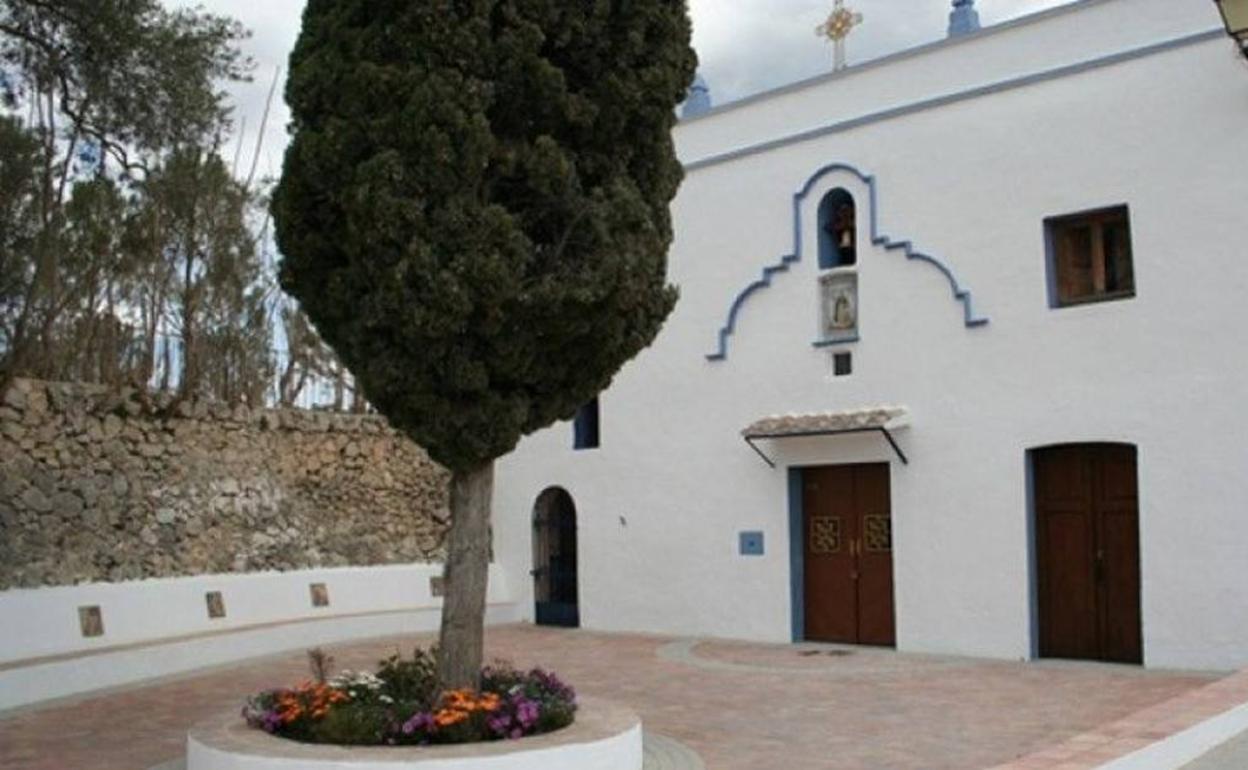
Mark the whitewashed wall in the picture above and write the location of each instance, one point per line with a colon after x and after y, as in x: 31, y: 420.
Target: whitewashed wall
x: 155, y: 628
x: 1163, y: 130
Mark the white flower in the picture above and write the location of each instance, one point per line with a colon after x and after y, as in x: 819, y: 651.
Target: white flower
x: 357, y: 679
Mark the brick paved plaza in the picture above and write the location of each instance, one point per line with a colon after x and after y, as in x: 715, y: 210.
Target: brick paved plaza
x: 738, y: 705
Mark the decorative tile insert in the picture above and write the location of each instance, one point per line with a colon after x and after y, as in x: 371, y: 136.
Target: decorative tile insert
x: 216, y: 604
x: 878, y: 533
x: 91, y: 620
x: 825, y: 534
x: 751, y: 543
x: 320, y: 595
x: 437, y: 586
x: 839, y: 305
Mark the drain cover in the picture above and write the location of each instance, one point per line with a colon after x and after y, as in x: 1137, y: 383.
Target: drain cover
x: 829, y: 653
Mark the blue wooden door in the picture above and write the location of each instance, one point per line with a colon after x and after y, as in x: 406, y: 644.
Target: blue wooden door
x: 555, y: 560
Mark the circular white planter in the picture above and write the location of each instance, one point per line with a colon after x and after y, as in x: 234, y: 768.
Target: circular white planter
x: 604, y: 737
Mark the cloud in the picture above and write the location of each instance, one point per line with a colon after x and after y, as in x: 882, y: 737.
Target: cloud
x: 274, y: 26
x: 745, y: 46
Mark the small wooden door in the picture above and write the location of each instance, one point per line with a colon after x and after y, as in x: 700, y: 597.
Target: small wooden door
x: 1088, y: 552
x: 848, y: 555
x: 554, y: 560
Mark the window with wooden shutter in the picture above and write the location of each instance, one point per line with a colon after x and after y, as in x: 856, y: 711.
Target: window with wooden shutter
x: 1090, y: 257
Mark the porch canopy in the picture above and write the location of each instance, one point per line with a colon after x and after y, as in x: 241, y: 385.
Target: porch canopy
x: 881, y: 419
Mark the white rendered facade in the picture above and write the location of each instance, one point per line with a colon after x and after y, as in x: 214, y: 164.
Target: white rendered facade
x: 971, y: 144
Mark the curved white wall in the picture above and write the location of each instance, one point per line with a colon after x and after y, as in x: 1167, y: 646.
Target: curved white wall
x: 155, y: 628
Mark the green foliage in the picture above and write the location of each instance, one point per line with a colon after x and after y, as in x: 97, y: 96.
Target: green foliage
x: 413, y: 681
x: 128, y: 74
x: 474, y: 205
x: 87, y: 295
x: 199, y: 215
x: 87, y: 330
x: 20, y: 158
x: 99, y: 258
x: 360, y: 724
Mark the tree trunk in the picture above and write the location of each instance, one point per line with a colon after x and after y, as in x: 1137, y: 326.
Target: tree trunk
x: 467, y: 572
x: 340, y: 390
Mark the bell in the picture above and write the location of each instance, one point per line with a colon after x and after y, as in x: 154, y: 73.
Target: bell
x: 847, y: 239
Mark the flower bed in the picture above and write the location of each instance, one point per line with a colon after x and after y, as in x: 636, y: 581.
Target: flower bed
x: 402, y: 705
x: 605, y: 736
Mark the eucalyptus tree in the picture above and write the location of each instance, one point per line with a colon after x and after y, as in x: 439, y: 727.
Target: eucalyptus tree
x: 100, y: 86
x: 200, y: 240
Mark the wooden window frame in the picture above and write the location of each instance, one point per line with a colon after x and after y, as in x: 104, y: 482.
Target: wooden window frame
x: 587, y: 427
x: 1097, y: 219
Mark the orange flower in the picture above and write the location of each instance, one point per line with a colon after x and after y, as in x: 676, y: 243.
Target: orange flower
x: 308, y: 699
x: 448, y: 717
x: 489, y: 701
x: 469, y: 701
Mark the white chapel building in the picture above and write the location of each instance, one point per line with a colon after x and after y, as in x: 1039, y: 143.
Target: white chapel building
x: 960, y: 363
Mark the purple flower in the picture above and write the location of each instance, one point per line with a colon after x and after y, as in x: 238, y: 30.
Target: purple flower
x: 552, y: 685
x: 271, y: 721
x: 527, y: 712
x: 421, y: 721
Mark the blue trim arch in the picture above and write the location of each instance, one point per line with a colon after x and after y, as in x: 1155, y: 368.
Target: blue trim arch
x: 960, y: 293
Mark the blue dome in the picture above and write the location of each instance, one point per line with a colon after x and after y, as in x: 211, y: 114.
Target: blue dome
x: 964, y: 20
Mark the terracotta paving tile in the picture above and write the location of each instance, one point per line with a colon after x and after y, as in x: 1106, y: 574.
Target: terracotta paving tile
x: 738, y: 705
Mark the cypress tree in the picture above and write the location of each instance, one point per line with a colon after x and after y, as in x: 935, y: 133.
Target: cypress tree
x: 474, y: 213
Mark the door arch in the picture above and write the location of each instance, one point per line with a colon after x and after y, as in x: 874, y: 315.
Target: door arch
x: 1085, y: 501
x: 555, y: 588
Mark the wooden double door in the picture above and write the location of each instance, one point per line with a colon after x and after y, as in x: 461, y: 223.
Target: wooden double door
x: 1088, y: 552
x: 848, y: 555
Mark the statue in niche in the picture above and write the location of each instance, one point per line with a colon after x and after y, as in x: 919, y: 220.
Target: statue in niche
x: 840, y: 305
x: 843, y: 314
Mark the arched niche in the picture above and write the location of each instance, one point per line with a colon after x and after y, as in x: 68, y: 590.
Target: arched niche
x: 838, y: 230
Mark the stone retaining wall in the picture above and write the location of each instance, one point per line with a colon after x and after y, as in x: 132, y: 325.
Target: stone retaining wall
x: 102, y: 485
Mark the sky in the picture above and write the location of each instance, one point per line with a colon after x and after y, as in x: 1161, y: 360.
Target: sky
x: 745, y: 46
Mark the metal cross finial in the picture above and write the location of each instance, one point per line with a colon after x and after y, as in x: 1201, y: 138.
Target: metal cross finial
x: 840, y: 23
